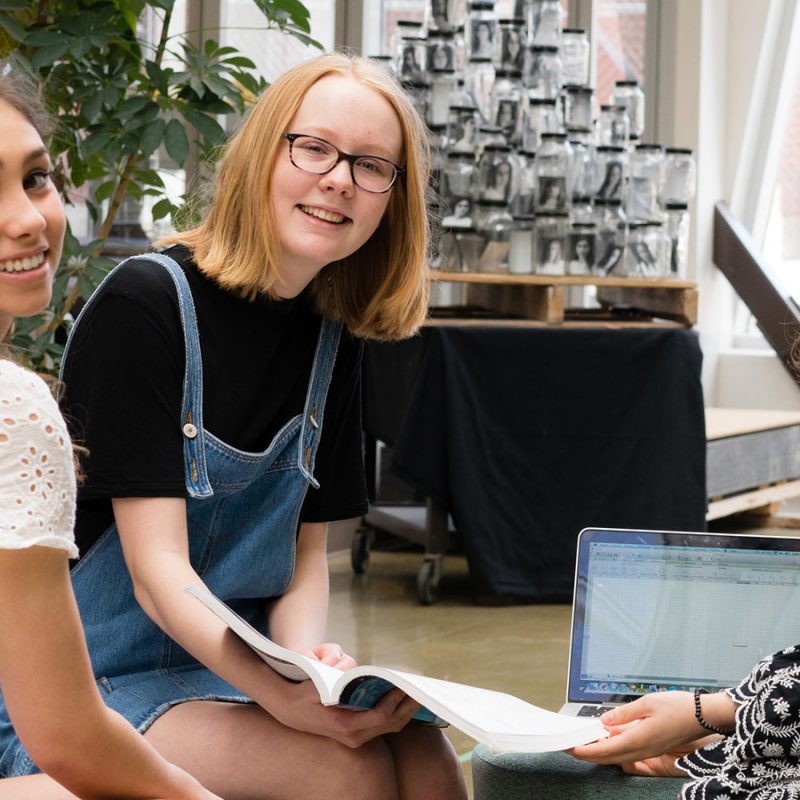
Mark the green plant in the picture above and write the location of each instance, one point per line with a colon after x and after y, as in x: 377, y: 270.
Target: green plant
x: 119, y: 98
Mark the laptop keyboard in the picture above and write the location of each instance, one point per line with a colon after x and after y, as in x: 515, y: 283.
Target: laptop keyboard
x: 593, y: 711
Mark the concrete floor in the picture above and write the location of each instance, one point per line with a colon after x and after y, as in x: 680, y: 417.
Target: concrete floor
x: 519, y: 649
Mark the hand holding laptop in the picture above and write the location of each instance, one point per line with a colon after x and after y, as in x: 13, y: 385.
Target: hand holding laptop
x: 647, y: 735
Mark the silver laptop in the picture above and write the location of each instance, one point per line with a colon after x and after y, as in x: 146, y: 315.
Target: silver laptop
x: 659, y: 610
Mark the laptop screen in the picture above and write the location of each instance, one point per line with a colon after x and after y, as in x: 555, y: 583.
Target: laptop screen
x: 655, y: 610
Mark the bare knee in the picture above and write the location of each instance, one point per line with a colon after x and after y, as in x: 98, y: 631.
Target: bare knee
x: 426, y: 765
x: 365, y: 773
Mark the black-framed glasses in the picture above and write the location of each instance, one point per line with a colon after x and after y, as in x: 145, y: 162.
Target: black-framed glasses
x: 315, y: 155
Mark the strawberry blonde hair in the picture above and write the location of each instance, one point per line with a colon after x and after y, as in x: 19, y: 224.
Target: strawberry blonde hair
x: 381, y: 290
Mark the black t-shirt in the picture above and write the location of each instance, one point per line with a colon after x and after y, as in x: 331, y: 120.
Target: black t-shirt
x: 123, y: 387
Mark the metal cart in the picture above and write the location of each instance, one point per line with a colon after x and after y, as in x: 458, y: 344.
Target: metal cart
x: 426, y: 523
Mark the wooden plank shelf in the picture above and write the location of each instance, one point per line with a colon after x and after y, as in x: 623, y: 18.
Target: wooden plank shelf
x: 541, y: 297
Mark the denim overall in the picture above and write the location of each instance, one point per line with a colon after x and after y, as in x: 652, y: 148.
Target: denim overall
x: 243, y: 515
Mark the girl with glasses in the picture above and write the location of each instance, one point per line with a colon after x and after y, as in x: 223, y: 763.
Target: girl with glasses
x: 45, y: 670
x: 216, y: 387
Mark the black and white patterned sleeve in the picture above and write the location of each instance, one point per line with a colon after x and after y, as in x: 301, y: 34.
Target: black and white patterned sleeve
x: 760, y: 760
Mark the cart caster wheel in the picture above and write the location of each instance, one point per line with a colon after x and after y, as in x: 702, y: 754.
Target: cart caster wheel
x: 427, y: 583
x: 359, y: 550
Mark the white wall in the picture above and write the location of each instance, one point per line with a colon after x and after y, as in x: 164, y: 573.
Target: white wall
x: 711, y: 69
x: 754, y: 379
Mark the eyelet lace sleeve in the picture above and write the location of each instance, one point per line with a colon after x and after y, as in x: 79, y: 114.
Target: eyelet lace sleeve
x: 37, y: 477
x: 760, y: 760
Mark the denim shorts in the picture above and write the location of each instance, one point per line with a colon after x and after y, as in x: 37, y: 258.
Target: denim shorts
x: 142, y: 699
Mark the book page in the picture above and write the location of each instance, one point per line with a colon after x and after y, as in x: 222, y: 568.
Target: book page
x: 503, y: 722
x: 289, y: 664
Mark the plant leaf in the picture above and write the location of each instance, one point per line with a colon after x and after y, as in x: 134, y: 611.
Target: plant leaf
x: 206, y: 126
x: 176, y: 142
x: 47, y: 56
x: 131, y: 106
x: 104, y: 190
x: 158, y: 76
x: 161, y: 208
x: 96, y: 141
x: 12, y: 27
x: 152, y: 137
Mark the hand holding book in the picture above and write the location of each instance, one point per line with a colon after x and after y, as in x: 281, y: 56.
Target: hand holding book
x: 330, y: 654
x: 503, y: 722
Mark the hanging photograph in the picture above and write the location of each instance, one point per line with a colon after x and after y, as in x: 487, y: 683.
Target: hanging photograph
x: 411, y: 67
x: 439, y: 15
x: 506, y: 118
x: 441, y: 56
x: 609, y: 259
x: 646, y: 262
x: 461, y: 213
x: 482, y: 38
x: 552, y: 194
x: 498, y: 182
x: 446, y: 15
x: 551, y: 255
x: 611, y: 187
x: 512, y: 51
x: 581, y: 253
x: 466, y: 132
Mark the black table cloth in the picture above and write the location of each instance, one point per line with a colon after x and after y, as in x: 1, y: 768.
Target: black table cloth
x: 528, y: 435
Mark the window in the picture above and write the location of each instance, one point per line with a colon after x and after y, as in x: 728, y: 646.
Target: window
x: 242, y: 26
x: 619, y: 36
x: 782, y: 240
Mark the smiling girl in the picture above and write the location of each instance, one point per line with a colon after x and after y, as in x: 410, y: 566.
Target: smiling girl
x: 217, y: 388
x: 47, y: 681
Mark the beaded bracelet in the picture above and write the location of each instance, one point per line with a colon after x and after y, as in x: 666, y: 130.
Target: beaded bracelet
x: 698, y: 712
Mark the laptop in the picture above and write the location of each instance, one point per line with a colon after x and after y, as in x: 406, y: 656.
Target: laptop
x: 658, y: 610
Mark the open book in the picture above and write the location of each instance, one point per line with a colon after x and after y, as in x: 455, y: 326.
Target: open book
x: 504, y: 723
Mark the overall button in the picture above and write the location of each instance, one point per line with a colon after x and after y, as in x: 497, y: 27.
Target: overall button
x: 189, y: 430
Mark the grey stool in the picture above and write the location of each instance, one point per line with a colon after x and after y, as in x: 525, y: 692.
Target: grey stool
x: 558, y: 776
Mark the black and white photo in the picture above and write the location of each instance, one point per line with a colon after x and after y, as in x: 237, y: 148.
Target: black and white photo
x: 611, y: 187
x: 512, y: 50
x: 466, y: 132
x: 552, y: 194
x: 506, y: 119
x: 551, y: 255
x: 440, y: 57
x: 581, y: 253
x: 460, y: 215
x: 439, y: 14
x: 411, y: 66
x: 610, y: 257
x: 482, y: 38
x: 498, y: 182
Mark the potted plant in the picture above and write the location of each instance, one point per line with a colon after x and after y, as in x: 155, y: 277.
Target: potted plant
x: 120, y: 97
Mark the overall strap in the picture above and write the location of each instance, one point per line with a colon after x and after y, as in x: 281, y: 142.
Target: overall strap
x: 197, y: 483
x: 194, y: 453
x: 321, y: 371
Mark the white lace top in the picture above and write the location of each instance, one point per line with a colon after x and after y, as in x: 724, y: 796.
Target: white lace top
x: 37, y: 478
